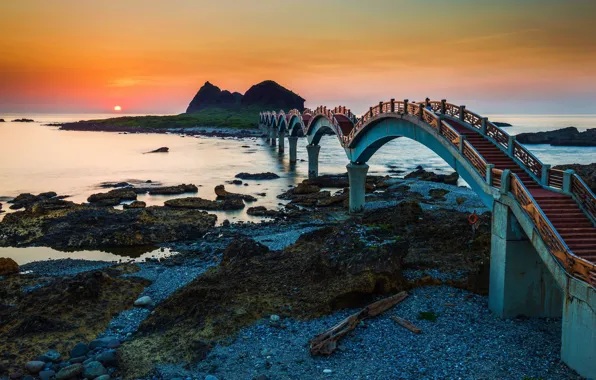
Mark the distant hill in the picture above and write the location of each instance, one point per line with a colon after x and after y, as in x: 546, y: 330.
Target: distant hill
x: 271, y: 95
x: 266, y: 95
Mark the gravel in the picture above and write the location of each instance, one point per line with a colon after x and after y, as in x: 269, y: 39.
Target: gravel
x: 467, y: 341
x: 165, y: 281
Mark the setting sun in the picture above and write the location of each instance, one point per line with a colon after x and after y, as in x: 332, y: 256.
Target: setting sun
x: 117, y: 108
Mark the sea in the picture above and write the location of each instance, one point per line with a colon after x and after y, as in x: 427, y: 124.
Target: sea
x: 37, y: 158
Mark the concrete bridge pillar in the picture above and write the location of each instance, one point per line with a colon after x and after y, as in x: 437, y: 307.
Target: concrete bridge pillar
x: 357, y: 176
x: 293, y: 140
x: 578, y: 340
x: 313, y: 160
x: 282, y: 135
x: 273, y: 136
x: 520, y: 283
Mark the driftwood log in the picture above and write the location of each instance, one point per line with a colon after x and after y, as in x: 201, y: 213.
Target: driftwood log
x: 326, y: 343
x: 407, y: 324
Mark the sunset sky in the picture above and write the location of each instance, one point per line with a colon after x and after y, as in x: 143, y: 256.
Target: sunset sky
x: 151, y: 56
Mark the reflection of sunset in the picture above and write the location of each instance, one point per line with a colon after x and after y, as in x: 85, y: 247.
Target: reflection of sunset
x: 494, y: 54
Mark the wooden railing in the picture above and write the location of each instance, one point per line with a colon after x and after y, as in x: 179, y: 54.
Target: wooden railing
x: 555, y: 179
x: 327, y: 113
x: 342, y: 110
x: 475, y: 158
x: 527, y: 159
x: 584, y: 195
x: 574, y: 265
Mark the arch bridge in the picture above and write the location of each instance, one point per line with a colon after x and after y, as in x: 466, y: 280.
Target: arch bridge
x: 543, y: 244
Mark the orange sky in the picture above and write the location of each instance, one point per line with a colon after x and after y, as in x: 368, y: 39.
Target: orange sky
x: 151, y: 56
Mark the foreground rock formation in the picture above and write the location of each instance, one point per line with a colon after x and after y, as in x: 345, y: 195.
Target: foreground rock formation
x: 81, y: 226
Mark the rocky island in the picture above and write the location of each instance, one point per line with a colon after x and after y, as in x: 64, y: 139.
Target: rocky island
x: 561, y: 137
x: 232, y: 112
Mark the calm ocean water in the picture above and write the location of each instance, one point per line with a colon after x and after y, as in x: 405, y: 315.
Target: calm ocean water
x: 36, y: 158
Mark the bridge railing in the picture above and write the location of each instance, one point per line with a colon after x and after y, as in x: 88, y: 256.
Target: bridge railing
x: 574, y: 265
x: 584, y: 195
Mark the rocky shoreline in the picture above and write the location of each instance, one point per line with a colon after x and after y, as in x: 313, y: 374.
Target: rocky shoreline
x: 242, y: 300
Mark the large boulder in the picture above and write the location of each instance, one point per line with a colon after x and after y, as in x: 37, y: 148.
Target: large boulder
x: 269, y: 94
x: 167, y: 190
x: 8, y: 266
x: 212, y: 96
x: 420, y: 173
x: 267, y: 175
x: 26, y: 200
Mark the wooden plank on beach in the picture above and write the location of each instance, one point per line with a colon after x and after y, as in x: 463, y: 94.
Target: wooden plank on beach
x: 326, y: 343
x: 404, y: 323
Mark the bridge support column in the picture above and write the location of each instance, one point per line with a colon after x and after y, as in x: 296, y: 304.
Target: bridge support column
x: 293, y: 148
x: 282, y: 135
x: 520, y: 283
x: 313, y: 160
x: 578, y: 340
x: 273, y: 136
x: 357, y: 176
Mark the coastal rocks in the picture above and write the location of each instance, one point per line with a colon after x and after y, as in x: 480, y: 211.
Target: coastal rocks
x: 143, y: 301
x: 263, y: 211
x: 243, y: 248
x: 63, y: 311
x: 27, y: 199
x: 205, y: 204
x: 23, y: 120
x: 421, y: 174
x: 112, y: 197
x: 93, y: 370
x: 114, y: 185
x: 341, y: 181
x: 135, y: 204
x: 164, y: 149
x: 1, y: 120
x: 167, y: 190
x: 93, y: 227
x: 8, y: 266
x: 35, y: 366
x: 569, y: 136
x: 80, y: 349
x: 221, y: 193
x: 107, y: 342
x: 70, y: 372
x: 586, y: 172
x: 257, y: 176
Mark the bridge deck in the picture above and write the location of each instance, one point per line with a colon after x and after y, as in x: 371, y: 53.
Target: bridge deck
x: 572, y: 224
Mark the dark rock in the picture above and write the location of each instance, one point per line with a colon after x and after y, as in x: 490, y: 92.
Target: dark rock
x: 301, y: 189
x: 112, y: 197
x: 26, y: 200
x: 70, y: 372
x: 586, y: 172
x: 501, y: 124
x: 1, y: 120
x: 35, y: 366
x: 8, y: 266
x: 222, y: 194
x: 262, y: 211
x: 17, y: 374
x: 105, y: 342
x: 135, y: 204
x: 79, y: 359
x: 242, y: 249
x: 93, y: 370
x: 51, y: 356
x: 205, y: 204
x: 23, y: 120
x: 569, y: 136
x: 111, y: 185
x: 80, y: 349
x: 93, y: 227
x: 164, y: 149
x: 167, y: 190
x: 269, y: 94
x: 257, y: 176
x: 421, y: 174
x: 46, y: 375
x: 235, y: 182
x: 108, y: 358
x: 212, y: 96
x: 438, y: 193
